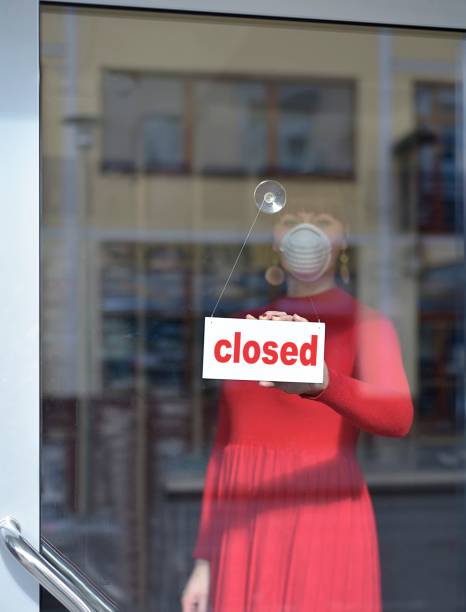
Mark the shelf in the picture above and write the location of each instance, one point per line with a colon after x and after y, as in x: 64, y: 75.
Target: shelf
x: 409, y: 480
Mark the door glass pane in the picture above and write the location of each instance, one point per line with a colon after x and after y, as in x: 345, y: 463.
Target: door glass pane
x: 156, y: 129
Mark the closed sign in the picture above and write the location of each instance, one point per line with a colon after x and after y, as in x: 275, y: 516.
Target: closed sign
x: 247, y: 349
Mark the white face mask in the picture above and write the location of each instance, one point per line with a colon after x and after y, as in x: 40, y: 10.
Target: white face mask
x: 307, y: 251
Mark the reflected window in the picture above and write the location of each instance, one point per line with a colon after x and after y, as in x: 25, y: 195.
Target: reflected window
x: 230, y: 127
x: 227, y: 126
x: 315, y: 129
x: 438, y: 210
x: 144, y: 122
x: 163, y: 142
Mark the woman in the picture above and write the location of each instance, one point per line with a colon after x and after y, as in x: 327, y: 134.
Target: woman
x: 287, y: 523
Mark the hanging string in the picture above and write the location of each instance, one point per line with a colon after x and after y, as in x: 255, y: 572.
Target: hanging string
x: 237, y: 259
x: 236, y: 263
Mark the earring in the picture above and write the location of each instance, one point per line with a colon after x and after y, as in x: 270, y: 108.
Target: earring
x: 274, y: 274
x: 344, y: 269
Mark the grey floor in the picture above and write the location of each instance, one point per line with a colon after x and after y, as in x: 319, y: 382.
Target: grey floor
x: 422, y: 549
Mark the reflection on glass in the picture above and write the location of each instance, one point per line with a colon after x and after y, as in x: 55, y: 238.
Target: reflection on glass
x: 143, y: 122
x: 230, y: 126
x: 315, y: 129
x: 439, y: 210
x: 152, y: 148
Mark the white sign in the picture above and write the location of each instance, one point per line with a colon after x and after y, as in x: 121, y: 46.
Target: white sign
x: 249, y: 349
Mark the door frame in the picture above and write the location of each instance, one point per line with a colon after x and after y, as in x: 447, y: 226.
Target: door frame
x: 19, y: 265
x: 416, y: 13
x: 19, y: 286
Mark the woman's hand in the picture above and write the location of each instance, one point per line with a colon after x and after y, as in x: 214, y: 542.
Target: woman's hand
x: 195, y: 594
x: 298, y: 388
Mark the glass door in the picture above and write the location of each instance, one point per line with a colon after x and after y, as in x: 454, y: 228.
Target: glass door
x: 159, y: 488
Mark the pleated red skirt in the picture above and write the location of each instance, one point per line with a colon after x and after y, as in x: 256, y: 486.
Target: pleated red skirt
x: 294, y: 533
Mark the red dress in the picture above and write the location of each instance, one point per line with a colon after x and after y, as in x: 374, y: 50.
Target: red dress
x: 287, y: 521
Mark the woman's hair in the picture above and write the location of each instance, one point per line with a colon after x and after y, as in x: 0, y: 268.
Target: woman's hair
x: 332, y: 202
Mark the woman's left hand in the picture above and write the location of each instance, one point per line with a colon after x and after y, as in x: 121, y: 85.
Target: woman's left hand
x: 297, y: 388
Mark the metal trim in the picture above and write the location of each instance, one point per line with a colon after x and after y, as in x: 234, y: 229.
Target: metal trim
x: 438, y: 14
x: 70, y: 590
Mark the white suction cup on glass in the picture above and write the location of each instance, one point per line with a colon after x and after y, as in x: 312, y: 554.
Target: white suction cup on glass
x: 270, y: 197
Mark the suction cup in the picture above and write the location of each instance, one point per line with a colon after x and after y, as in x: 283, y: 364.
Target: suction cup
x: 271, y: 196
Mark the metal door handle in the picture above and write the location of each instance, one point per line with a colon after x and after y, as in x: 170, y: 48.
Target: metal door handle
x: 91, y: 593
x: 64, y: 584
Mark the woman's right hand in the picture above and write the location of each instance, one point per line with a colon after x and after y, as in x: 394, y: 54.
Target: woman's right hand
x: 195, y: 594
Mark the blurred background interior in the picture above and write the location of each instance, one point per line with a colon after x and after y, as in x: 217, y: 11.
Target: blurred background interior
x: 155, y: 130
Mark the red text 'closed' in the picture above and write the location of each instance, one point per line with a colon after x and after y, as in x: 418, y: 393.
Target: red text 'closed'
x: 269, y: 352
